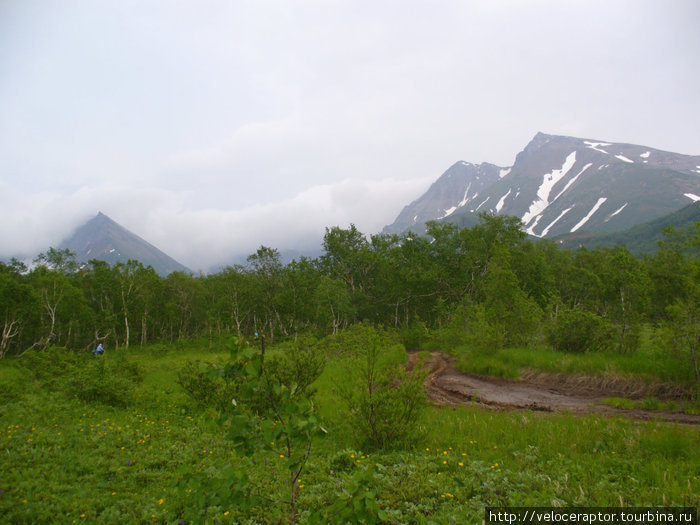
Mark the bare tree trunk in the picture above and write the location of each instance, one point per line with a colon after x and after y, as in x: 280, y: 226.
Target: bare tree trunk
x: 144, y: 333
x: 9, y: 330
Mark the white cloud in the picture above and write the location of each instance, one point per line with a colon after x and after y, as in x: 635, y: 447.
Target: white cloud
x: 206, y: 238
x: 201, y: 239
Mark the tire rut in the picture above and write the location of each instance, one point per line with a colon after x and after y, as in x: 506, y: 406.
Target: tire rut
x: 445, y: 385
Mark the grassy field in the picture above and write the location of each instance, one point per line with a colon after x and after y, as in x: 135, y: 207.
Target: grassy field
x: 71, y: 460
x: 646, y: 364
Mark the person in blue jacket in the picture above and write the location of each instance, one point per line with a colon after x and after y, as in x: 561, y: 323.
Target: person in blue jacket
x: 99, y: 350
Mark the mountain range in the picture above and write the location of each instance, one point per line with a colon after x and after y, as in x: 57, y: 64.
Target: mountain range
x: 574, y: 191
x: 562, y: 185
x: 103, y: 239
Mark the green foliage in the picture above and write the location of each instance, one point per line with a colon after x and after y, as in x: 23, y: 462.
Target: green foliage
x: 486, y: 286
x: 356, y: 338
x: 266, y: 416
x: 105, y: 381
x: 508, y: 308
x: 470, y: 325
x: 679, y: 335
x: 62, y: 261
x: 414, y: 335
x: 160, y: 460
x: 356, y: 504
x: 650, y: 365
x: 578, y: 330
x: 300, y: 366
x: 12, y: 385
x: 199, y: 380
x: 52, y: 366
x: 384, y: 399
x: 648, y: 403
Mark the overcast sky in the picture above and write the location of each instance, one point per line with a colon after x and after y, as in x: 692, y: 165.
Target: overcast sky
x: 212, y: 127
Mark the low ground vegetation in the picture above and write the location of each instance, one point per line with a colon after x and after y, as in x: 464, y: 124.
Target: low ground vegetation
x: 164, y: 454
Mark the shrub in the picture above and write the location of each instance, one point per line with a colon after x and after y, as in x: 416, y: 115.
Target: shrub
x: 103, y: 381
x: 384, y: 399
x: 578, y: 330
x: 110, y: 380
x: 354, y: 340
x: 51, y: 366
x: 413, y: 335
x: 299, y: 366
x: 200, y: 381
x: 12, y: 388
x: 470, y: 325
x: 215, y: 386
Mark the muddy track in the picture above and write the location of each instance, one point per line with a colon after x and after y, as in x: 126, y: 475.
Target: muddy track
x: 446, y: 385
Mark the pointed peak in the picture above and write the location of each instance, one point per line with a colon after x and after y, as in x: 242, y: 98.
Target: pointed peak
x: 101, y: 218
x: 104, y: 239
x: 539, y: 139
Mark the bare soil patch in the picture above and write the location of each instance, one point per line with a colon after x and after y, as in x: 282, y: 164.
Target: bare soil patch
x: 446, y: 385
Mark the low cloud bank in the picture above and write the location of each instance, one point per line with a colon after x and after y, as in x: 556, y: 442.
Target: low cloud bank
x: 203, y: 239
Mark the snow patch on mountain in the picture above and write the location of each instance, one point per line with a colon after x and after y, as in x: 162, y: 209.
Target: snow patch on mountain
x: 594, y: 145
x: 531, y: 229
x: 449, y: 211
x: 549, y: 227
x: 692, y: 196
x: 618, y: 210
x: 573, y: 179
x: 622, y: 157
x: 499, y: 205
x: 548, y: 182
x: 480, y: 205
x: 590, y: 214
x: 504, y: 172
x: 465, y: 199
x: 645, y: 155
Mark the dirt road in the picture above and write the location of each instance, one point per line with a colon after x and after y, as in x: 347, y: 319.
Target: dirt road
x: 446, y: 385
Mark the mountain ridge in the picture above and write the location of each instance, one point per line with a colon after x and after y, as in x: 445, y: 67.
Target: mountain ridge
x: 560, y: 184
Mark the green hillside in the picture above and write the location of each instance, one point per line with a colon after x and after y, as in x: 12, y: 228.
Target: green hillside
x: 640, y: 239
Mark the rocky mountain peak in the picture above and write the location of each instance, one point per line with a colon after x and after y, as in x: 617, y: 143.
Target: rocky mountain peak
x: 560, y: 184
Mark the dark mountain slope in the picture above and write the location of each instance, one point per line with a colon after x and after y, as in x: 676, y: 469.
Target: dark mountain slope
x: 103, y: 239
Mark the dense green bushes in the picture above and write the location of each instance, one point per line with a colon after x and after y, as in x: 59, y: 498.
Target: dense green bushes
x: 109, y: 379
x: 199, y: 381
x: 578, y: 330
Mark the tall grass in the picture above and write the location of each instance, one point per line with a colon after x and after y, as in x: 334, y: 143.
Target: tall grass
x: 647, y: 364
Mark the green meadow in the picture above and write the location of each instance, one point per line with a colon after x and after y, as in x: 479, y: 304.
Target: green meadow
x: 119, y: 440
